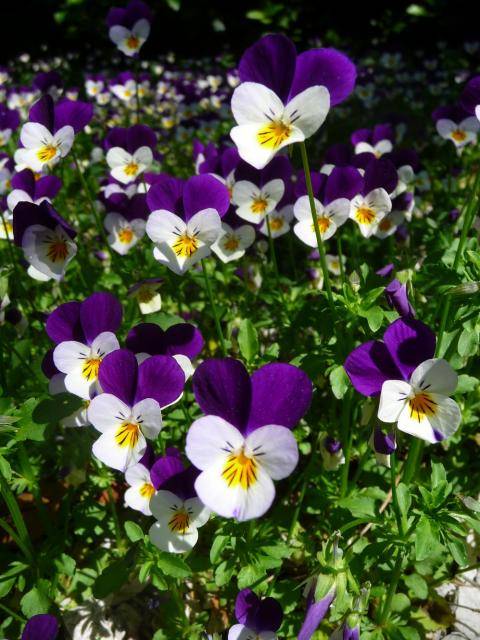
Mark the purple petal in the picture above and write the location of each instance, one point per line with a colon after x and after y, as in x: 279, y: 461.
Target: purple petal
x: 410, y: 342
x: 339, y: 154
x: 47, y: 187
x: 328, y: 68
x: 229, y: 161
x: 281, y: 395
x: 24, y: 180
x: 100, y: 312
x: 360, y: 135
x: 164, y: 468
x: 118, y: 375
x: 222, y: 388
x: 184, y: 339
x: 183, y: 484
x: 27, y: 214
x: 146, y: 337
x: 140, y: 136
x: 41, y: 627
x: 166, y: 194
x: 246, y: 603
x: 160, y: 378
x: 43, y: 112
x: 382, y: 132
x: 48, y: 366
x: 386, y: 271
x: 205, y: 192
x: 64, y: 323
x: 397, y: 298
x: 315, y: 614
x: 369, y: 365
x: 384, y: 443
x: 271, y: 62
x: 75, y: 113
x: 269, y: 615
x: 380, y: 173
x: 343, y: 182
x: 470, y: 97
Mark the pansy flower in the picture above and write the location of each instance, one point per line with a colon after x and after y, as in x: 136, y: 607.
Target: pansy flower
x: 244, y: 441
x: 279, y: 222
x: 258, y: 619
x: 383, y: 445
x: 129, y: 410
x: 27, y: 188
x: 182, y: 341
x: 176, y: 507
x: 470, y: 98
x: 130, y: 151
x: 49, y: 134
x: 147, y: 295
x: 84, y: 333
x: 45, y: 238
x: 42, y: 626
x: 397, y: 298
x: 94, y: 84
x: 124, y: 86
x: 376, y: 141
x: 233, y: 241
x: 330, y: 217
x: 129, y: 28
x: 141, y: 488
x: 456, y: 125
x: 284, y: 97
x: 413, y: 385
x: 125, y: 220
x: 331, y: 451
x: 185, y: 219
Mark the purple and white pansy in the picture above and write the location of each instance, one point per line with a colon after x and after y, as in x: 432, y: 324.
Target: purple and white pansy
x: 130, y: 151
x: 129, y: 27
x: 284, y: 97
x: 414, y: 386
x: 244, y: 441
x: 258, y: 619
x: 27, y: 188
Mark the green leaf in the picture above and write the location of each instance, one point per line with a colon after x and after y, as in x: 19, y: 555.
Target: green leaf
x: 458, y: 550
x: 172, y: 565
x: 400, y: 602
x: 467, y: 383
x: 224, y: 573
x: 37, y: 600
x: 404, y: 498
x: 65, y: 564
x: 374, y: 317
x: 417, y: 586
x: 110, y: 580
x: 218, y: 546
x: 439, y: 475
x: 248, y: 340
x: 426, y: 538
x: 467, y: 343
x: 249, y: 574
x: 339, y: 381
x: 133, y: 530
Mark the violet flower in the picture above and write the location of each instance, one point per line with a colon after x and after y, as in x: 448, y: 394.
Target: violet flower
x: 397, y: 298
x: 26, y: 188
x: 257, y: 618
x: 41, y: 627
x: 129, y: 28
x: 130, y: 151
x: 470, y: 98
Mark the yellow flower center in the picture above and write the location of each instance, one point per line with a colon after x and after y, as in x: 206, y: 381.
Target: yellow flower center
x: 127, y: 435
x: 385, y: 225
x: 185, y: 245
x: 365, y: 215
x: 57, y: 250
x: 274, y: 134
x: 458, y: 135
x: 180, y: 522
x: 128, y: 93
x: 145, y: 294
x: 131, y: 169
x: 47, y: 153
x: 132, y: 42
x: 276, y: 224
x: 90, y: 368
x: 422, y: 405
x: 240, y: 470
x: 125, y: 235
x: 147, y: 490
x: 259, y: 205
x: 231, y: 243
x: 323, y: 224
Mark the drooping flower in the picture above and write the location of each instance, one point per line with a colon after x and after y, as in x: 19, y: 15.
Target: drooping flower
x: 257, y: 618
x: 413, y: 385
x: 42, y: 626
x: 182, y: 341
x: 331, y: 451
x: 284, y: 97
x: 176, y: 506
x: 45, y: 238
x: 130, y: 151
x: 49, y: 134
x: 84, y: 333
x: 244, y: 441
x: 397, y: 298
x: 185, y: 219
x: 128, y: 411
x: 26, y: 188
x: 129, y: 27
x: 383, y: 444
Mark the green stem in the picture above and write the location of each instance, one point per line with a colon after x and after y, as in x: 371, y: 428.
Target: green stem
x: 273, y: 254
x: 321, y: 248
x: 17, y: 517
x: 214, y: 309
x: 396, y: 506
x: 340, y: 258
x: 413, y: 460
x: 346, y: 443
x: 392, y: 589
x: 116, y: 521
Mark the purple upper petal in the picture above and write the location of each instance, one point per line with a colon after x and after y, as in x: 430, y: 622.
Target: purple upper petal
x: 271, y: 62
x: 410, y: 342
x: 118, y: 375
x: 140, y: 136
x: 27, y: 214
x: 64, y: 323
x: 160, y: 378
x: 328, y: 68
x: 222, y: 388
x: 25, y: 180
x: 383, y: 132
x: 166, y: 193
x: 369, y: 365
x: 397, y: 298
x: 384, y: 442
x: 360, y: 135
x: 164, y: 468
x: 343, y: 182
x: 46, y: 187
x: 281, y: 395
x: 75, y: 113
x: 380, y: 173
x: 315, y: 614
x: 128, y: 16
x: 41, y: 627
x: 184, y: 339
x: 258, y: 615
x: 470, y: 97
x: 205, y: 192
x: 43, y: 112
x: 182, y: 484
x: 100, y: 312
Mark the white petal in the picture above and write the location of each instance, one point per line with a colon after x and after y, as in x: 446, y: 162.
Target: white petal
x: 163, y: 225
x: 445, y: 127
x: 186, y: 365
x: 144, y: 156
x: 16, y: 196
x: 364, y: 147
x: 135, y: 500
x: 275, y: 449
x: 200, y: 514
x: 115, y: 456
x: 104, y: 343
x: 246, y: 139
x: 69, y: 355
x: 383, y: 146
x: 241, y: 632
x: 210, y: 438
x: 255, y: 103
x: 107, y: 412
x: 137, y: 474
x: 118, y: 157
x: 244, y: 192
x: 338, y: 210
x: 148, y: 414
x: 304, y: 231
x: 141, y: 29
x: 393, y: 398
x: 434, y: 428
x: 308, y: 109
x: 163, y: 538
x: 435, y: 376
x: 302, y: 210
x: 379, y: 200
x: 118, y: 33
x: 206, y: 225
x: 34, y: 135
x: 64, y: 138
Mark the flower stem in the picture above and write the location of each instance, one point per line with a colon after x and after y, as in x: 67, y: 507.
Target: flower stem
x: 413, y: 460
x: 346, y: 443
x: 321, y: 248
x: 273, y: 254
x: 396, y: 506
x: 397, y: 572
x: 216, y: 320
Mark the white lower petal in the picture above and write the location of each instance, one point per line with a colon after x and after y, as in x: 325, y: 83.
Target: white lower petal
x: 393, y: 398
x: 275, y: 450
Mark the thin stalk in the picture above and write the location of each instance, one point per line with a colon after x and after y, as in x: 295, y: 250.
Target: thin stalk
x: 347, y: 444
x: 340, y: 258
x: 321, y: 248
x: 116, y: 522
x: 25, y: 363
x: 411, y: 465
x: 392, y: 589
x: 17, y: 517
x: 213, y: 307
x: 273, y: 254
x: 396, y: 506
